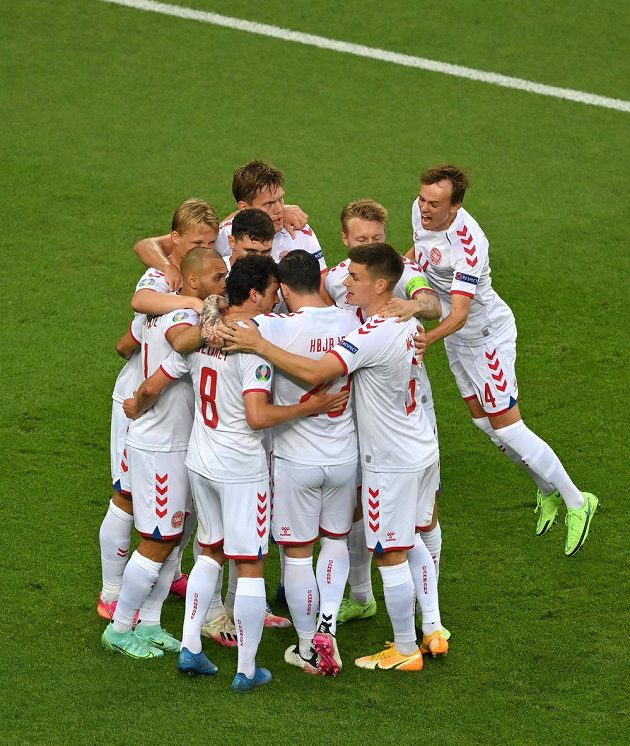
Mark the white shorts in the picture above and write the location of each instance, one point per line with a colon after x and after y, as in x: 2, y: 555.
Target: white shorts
x: 161, y: 492
x: 488, y: 372
x: 235, y: 515
x: 117, y: 439
x: 395, y: 504
x: 312, y: 499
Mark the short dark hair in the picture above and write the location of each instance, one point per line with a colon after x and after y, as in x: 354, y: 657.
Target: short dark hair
x: 249, y: 180
x: 460, y: 181
x: 253, y: 223
x: 300, y: 271
x: 252, y: 272
x: 381, y: 260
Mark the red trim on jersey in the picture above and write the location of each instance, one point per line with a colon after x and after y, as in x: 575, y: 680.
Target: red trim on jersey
x: 124, y: 493
x: 164, y: 538
x: 341, y: 360
x: 257, y: 391
x: 210, y: 546
x: 297, y: 543
x: 393, y: 549
x: 462, y: 292
x: 469, y: 398
x: 323, y: 271
x: 423, y: 529
x: 167, y: 374
x: 503, y: 411
x: 137, y: 341
x: 181, y: 323
x: 332, y: 533
x: 244, y: 556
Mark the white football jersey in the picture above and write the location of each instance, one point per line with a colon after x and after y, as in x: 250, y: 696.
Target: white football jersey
x: 412, y: 281
x: 394, y: 431
x: 166, y: 426
x: 153, y: 279
x: 223, y: 447
x: 282, y: 243
x: 456, y: 262
x: 130, y: 375
x: 323, y: 439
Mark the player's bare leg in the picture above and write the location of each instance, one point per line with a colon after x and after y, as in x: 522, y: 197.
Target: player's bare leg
x: 114, y: 539
x: 302, y: 594
x: 180, y: 579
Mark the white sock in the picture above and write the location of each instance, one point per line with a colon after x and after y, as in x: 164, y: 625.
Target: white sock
x: 333, y: 565
x: 115, y: 538
x: 231, y: 589
x: 425, y: 582
x: 139, y: 577
x: 483, y: 423
x: 433, y: 542
x: 541, y: 459
x: 360, y: 575
x: 201, y: 584
x: 300, y: 588
x: 400, y: 599
x: 282, y: 557
x: 250, y: 605
x: 190, y: 524
x: 150, y: 612
x: 216, y: 608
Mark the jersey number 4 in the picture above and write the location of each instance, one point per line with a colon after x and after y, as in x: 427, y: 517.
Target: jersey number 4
x: 208, y: 394
x: 487, y: 396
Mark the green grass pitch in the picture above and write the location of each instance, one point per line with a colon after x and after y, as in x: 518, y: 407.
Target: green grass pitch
x: 110, y: 118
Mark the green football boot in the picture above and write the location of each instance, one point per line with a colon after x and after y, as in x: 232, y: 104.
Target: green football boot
x: 155, y: 636
x: 578, y: 522
x: 546, y: 507
x: 351, y: 609
x: 128, y: 643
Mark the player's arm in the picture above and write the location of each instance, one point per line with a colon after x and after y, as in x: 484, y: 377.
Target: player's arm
x: 411, y: 254
x: 154, y: 252
x: 248, y: 339
x: 127, y: 345
x: 155, y: 303
x: 425, y: 305
x: 146, y: 396
x: 185, y: 338
x: 460, y: 308
x: 261, y: 413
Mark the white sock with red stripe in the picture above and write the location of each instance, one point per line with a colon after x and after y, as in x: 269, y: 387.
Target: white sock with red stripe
x: 333, y: 565
x: 150, y: 612
x: 425, y: 582
x: 300, y: 588
x: 250, y: 606
x: 400, y: 600
x: 541, y: 460
x: 433, y: 542
x: 360, y: 575
x: 199, y: 591
x: 483, y: 423
x: 114, y: 537
x: 139, y: 577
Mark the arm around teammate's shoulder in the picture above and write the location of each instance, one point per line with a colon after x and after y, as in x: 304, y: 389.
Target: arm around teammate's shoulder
x: 460, y: 308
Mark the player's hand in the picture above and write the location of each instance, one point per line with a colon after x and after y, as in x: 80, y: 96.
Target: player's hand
x: 173, y: 277
x: 214, y: 307
x: 195, y: 304
x: 320, y: 401
x: 420, y: 343
x: 293, y: 218
x: 403, y: 310
x: 241, y: 337
x: 130, y: 408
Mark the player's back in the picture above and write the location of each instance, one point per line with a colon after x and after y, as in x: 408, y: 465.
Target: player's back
x: 223, y: 446
x: 166, y: 426
x: 321, y: 439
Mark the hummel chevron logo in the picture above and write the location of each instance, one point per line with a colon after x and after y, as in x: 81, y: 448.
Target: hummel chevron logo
x: 463, y: 232
x: 370, y: 326
x: 161, y: 478
x: 161, y: 501
x: 161, y: 513
x: 502, y: 387
x: 490, y: 355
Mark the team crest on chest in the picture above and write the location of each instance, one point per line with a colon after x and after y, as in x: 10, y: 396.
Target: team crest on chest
x: 435, y: 256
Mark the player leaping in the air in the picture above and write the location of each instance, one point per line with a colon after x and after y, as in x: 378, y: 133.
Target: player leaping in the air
x: 479, y: 335
x: 399, y: 452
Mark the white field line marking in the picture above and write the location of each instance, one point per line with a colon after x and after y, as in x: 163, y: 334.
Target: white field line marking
x: 383, y: 55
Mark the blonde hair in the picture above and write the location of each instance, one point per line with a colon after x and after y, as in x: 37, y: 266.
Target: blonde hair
x: 366, y: 209
x: 194, y: 212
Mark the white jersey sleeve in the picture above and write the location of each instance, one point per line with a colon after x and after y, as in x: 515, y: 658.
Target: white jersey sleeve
x: 305, y: 239
x: 412, y: 281
x: 175, y: 366
x: 221, y: 244
x: 153, y: 279
x: 469, y: 258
